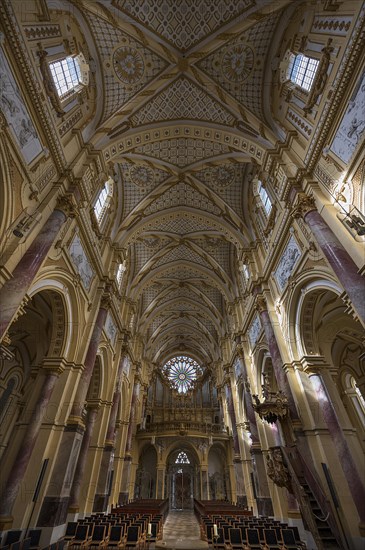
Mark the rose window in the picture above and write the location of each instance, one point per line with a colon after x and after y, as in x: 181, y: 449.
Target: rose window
x: 182, y: 372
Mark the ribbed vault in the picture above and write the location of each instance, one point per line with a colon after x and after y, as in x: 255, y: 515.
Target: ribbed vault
x: 184, y: 129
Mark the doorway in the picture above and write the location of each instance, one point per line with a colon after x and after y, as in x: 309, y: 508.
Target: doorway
x: 182, y: 490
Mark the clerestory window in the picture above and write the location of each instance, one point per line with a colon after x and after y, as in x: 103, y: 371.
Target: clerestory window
x: 265, y: 199
x: 245, y: 271
x: 302, y: 70
x: 102, y: 203
x: 66, y: 74
x: 120, y: 273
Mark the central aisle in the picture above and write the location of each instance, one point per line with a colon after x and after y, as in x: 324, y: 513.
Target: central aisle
x: 181, y: 531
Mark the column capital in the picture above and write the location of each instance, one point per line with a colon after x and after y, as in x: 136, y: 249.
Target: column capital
x: 54, y: 365
x: 304, y: 204
x: 313, y: 364
x: 106, y: 300
x: 67, y: 204
x: 260, y: 303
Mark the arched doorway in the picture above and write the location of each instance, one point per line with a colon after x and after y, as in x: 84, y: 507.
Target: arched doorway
x: 181, y: 480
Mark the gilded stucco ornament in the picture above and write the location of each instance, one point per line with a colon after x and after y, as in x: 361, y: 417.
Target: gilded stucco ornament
x: 142, y: 176
x: 276, y: 469
x: 223, y: 175
x: 128, y: 65
x: 237, y: 63
x: 304, y: 205
x: 274, y: 405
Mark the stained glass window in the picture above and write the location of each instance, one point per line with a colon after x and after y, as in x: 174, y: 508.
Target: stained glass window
x: 182, y: 458
x: 182, y: 372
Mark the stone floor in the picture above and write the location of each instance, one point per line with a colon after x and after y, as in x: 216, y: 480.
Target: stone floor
x: 181, y: 532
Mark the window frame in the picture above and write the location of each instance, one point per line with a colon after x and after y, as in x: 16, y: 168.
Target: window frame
x: 264, y: 198
x: 306, y: 67
x: 59, y: 65
x: 101, y: 210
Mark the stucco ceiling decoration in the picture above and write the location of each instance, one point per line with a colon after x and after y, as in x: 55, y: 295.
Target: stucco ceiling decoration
x: 185, y: 23
x: 182, y: 152
x: 185, y: 135
x: 138, y: 181
x: 128, y: 65
x: 238, y: 66
x: 182, y: 100
x: 226, y: 180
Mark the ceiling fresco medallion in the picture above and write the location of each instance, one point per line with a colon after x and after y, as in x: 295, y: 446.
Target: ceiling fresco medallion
x: 141, y: 175
x: 223, y: 176
x: 237, y: 63
x: 128, y: 65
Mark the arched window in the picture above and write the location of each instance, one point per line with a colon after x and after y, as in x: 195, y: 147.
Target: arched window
x: 103, y: 201
x: 66, y: 74
x: 120, y: 273
x: 357, y: 398
x: 302, y: 70
x: 265, y: 199
x: 182, y: 458
x: 245, y: 271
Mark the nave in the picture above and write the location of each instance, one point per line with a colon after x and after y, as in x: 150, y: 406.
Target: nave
x: 140, y: 525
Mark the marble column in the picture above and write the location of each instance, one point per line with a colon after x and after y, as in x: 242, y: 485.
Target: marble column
x: 73, y: 505
x: 277, y: 362
x: 232, y: 416
x: 247, y: 403
x: 55, y: 504
x: 263, y: 498
x: 337, y: 256
x: 124, y: 492
x: 14, y: 290
x: 204, y: 482
x: 101, y: 496
x: 17, y: 472
x: 132, y: 414
x: 160, y: 481
x: 354, y: 480
x: 83, y: 385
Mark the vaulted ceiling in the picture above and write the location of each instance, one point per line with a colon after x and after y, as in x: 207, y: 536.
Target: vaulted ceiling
x: 185, y: 84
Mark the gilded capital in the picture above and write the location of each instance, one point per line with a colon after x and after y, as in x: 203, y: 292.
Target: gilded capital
x: 106, y: 301
x: 261, y: 304
x: 304, y: 205
x: 67, y: 205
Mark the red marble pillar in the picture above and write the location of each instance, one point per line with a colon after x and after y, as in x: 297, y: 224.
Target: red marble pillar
x: 81, y: 462
x: 11, y: 487
x: 124, y: 493
x: 14, y: 290
x: 56, y: 502
x: 232, y: 416
x: 101, y: 496
x: 247, y: 402
x: 277, y: 362
x: 337, y: 256
x: 89, y: 362
x: 354, y: 480
x: 132, y: 414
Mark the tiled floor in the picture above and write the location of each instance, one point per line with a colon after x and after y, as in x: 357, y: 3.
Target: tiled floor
x: 181, y: 532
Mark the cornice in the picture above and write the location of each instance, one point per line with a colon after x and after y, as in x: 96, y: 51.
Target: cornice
x: 15, y: 37
x: 354, y: 49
